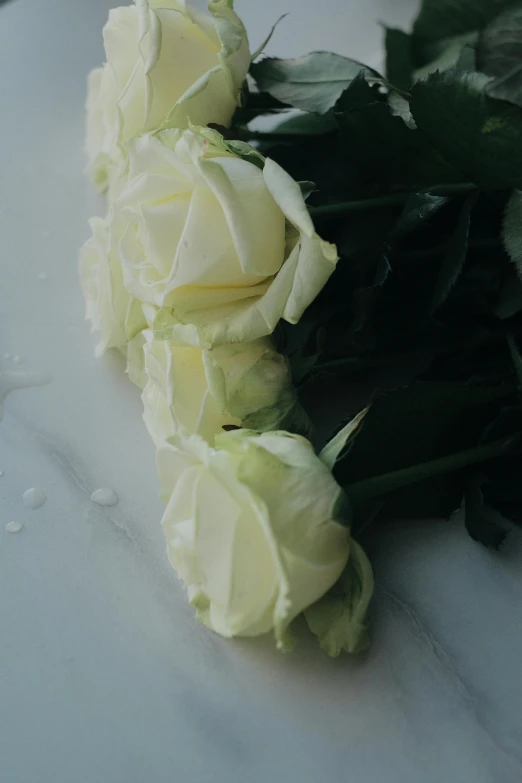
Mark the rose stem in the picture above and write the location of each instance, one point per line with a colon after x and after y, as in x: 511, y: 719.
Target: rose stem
x: 386, y: 482
x: 391, y: 200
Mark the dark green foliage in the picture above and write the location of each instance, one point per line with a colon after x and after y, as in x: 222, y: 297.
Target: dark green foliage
x: 499, y: 54
x: 417, y: 424
x: 477, y: 135
x: 399, y: 58
x: 448, y: 18
x: 417, y: 179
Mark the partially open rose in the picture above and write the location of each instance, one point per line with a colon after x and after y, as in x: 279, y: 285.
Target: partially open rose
x: 203, y: 391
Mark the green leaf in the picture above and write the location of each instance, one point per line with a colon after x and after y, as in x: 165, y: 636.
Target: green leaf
x: 399, y: 58
x: 508, y: 88
x: 512, y: 230
x: 387, y: 151
x: 307, y: 125
x: 340, y: 618
x: 476, y: 134
x: 312, y: 83
x: 358, y: 93
x: 447, y: 53
x: 364, y: 305
x: 267, y: 40
x: 417, y: 424
x: 468, y: 58
x: 418, y: 208
x: 337, y: 445
x: 499, y: 54
x: 400, y: 107
x: 481, y: 521
x: 307, y: 188
x: 445, y: 18
x: 455, y: 257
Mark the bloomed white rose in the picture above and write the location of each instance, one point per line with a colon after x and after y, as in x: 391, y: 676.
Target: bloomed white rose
x: 203, y: 391
x: 251, y: 528
x: 111, y: 309
x: 165, y: 62
x: 224, y: 246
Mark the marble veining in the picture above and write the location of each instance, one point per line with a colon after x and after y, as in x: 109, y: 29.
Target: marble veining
x: 11, y: 381
x: 105, y: 675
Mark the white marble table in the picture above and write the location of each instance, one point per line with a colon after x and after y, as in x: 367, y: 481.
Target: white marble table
x: 104, y: 675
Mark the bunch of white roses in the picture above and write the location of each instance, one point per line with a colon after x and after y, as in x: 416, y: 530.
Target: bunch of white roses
x: 205, y: 247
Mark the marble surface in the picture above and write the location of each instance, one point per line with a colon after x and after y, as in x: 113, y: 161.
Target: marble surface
x: 104, y: 675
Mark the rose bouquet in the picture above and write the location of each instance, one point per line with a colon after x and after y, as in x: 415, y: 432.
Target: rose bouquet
x: 259, y: 278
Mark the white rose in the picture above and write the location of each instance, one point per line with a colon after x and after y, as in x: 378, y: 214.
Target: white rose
x: 202, y: 391
x: 165, y: 62
x: 251, y: 528
x: 135, y: 368
x: 225, y: 247
x: 108, y: 305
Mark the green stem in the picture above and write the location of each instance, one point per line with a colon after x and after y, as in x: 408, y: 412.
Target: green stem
x: 411, y: 256
x: 391, y: 200
x: 386, y: 482
x: 353, y: 361
x: 515, y: 357
x: 249, y: 136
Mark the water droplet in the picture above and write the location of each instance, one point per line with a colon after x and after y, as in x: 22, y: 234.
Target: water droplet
x: 1, y: 472
x: 34, y: 498
x: 105, y: 497
x: 7, y: 355
x: 42, y: 276
x: 13, y: 527
x: 17, y: 359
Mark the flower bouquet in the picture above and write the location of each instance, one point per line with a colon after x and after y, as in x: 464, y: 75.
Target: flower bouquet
x: 312, y: 269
